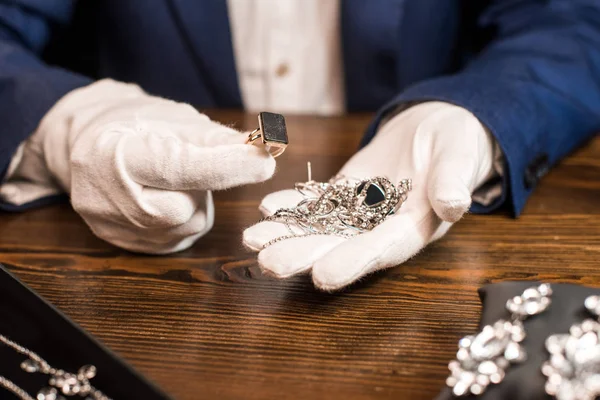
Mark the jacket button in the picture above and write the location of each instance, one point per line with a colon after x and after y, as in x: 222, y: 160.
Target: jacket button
x: 282, y: 70
x: 535, y: 170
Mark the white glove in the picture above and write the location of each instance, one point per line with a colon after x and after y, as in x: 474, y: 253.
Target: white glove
x: 446, y: 152
x: 139, y: 168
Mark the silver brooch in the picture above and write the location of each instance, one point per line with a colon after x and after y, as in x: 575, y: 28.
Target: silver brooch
x: 573, y: 369
x: 343, y: 206
x: 482, y: 359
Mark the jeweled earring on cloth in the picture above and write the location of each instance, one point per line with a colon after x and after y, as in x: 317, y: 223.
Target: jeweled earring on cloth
x: 573, y: 369
x: 482, y: 359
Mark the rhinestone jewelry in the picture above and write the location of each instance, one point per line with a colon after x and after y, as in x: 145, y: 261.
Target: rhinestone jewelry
x: 573, y: 369
x: 341, y: 207
x: 16, y: 390
x: 61, y: 383
x: 482, y: 359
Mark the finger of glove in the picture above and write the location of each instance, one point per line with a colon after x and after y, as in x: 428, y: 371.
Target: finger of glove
x: 23, y: 192
x: 142, y: 207
x: 134, y: 239
x: 296, y: 255
x: 391, y: 243
x: 203, y: 131
x: 158, y: 208
x: 166, y: 209
x: 170, y: 118
x: 256, y: 236
x: 172, y: 164
x: 152, y: 240
x: 461, y: 159
x: 212, y: 134
x: 283, y: 199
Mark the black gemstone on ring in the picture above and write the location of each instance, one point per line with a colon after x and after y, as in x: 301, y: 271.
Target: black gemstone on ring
x: 272, y: 127
x: 375, y: 195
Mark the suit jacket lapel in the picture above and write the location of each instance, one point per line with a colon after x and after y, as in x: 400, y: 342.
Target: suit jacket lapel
x: 205, y: 26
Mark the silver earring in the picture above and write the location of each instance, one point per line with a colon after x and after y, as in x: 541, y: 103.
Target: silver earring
x: 482, y: 359
x: 573, y: 369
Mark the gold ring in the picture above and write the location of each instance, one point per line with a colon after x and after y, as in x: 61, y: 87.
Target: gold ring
x: 272, y: 132
x: 254, y: 135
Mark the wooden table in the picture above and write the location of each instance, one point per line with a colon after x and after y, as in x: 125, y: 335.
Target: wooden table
x: 204, y: 323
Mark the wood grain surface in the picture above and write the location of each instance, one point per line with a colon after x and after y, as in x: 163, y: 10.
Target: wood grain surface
x: 206, y: 324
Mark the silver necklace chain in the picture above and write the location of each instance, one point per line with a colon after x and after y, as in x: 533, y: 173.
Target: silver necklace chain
x: 12, y: 387
x: 61, y: 383
x: 339, y: 207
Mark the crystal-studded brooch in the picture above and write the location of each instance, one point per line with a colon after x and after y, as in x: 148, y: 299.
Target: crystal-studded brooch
x: 573, y: 369
x: 482, y: 359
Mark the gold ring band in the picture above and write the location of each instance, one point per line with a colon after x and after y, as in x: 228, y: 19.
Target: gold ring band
x: 254, y: 135
x: 272, y: 133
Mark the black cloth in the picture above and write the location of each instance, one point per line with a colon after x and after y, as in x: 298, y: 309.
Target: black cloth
x: 525, y: 381
x: 35, y: 324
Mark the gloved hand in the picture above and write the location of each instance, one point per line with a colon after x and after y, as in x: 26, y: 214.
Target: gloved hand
x: 446, y: 152
x: 139, y: 168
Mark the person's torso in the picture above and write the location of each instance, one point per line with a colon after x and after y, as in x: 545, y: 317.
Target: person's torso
x: 182, y: 49
x: 288, y: 55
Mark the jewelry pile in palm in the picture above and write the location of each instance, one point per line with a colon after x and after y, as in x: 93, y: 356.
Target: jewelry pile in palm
x: 342, y: 207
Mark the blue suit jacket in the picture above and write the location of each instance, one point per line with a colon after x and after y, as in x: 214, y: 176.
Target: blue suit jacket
x: 528, y: 69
